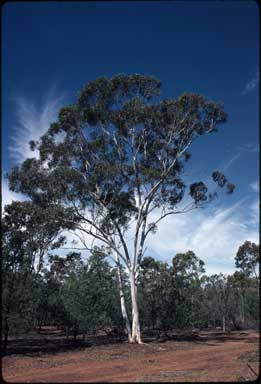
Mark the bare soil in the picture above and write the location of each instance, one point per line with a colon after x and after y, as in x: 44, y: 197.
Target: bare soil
x: 210, y: 356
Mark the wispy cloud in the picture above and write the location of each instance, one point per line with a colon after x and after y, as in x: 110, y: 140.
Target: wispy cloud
x: 214, y: 235
x: 231, y: 161
x: 245, y: 148
x: 255, y: 186
x: 251, y: 84
x: 32, y: 121
x: 254, y: 212
x: 249, y: 147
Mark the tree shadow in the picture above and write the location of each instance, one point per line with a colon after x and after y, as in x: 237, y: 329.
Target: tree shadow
x: 50, y: 342
x: 208, y: 338
x: 54, y: 345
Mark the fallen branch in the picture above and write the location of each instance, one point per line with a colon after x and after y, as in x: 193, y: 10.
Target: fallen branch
x: 251, y: 369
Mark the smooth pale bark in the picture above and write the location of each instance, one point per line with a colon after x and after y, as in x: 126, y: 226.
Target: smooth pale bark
x: 136, y: 335
x: 122, y: 301
x: 123, y: 309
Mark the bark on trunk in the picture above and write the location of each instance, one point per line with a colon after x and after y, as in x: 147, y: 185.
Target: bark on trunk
x: 123, y: 304
x: 124, y: 313
x: 136, y: 335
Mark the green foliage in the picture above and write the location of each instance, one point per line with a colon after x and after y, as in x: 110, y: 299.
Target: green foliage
x: 188, y: 265
x: 20, y: 299
x: 90, y: 294
x: 171, y: 297
x: 84, y: 295
x: 27, y: 235
x: 154, y: 288
x: 180, y: 296
x: 187, y: 270
x: 248, y: 257
x: 29, y: 230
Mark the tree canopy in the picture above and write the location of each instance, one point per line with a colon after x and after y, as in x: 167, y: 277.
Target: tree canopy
x: 120, y: 155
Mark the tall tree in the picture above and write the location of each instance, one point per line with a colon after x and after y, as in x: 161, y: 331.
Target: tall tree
x: 89, y: 294
x: 247, y: 259
x: 115, y: 157
x: 28, y: 232
x: 220, y: 288
x: 156, y: 294
x: 187, y: 271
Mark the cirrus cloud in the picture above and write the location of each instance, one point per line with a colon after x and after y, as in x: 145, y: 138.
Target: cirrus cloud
x: 251, y: 84
x: 32, y: 121
x: 214, y: 235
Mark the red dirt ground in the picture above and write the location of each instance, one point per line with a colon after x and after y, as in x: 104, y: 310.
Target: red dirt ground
x: 220, y: 357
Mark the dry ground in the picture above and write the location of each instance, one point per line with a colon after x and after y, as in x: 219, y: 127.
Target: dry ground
x: 212, y: 357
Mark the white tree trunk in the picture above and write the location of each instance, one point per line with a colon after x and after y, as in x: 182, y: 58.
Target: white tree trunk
x: 123, y: 304
x: 136, y: 335
x: 123, y: 308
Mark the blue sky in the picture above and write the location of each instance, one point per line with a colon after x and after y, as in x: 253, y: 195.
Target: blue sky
x: 51, y: 49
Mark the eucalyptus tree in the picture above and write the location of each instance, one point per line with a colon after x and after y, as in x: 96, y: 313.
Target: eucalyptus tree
x: 188, y: 265
x: 31, y: 230
x: 247, y: 260
x: 28, y: 232
x: 89, y: 294
x: 187, y: 271
x: 240, y: 287
x: 221, y: 298
x: 115, y: 157
x: 156, y: 296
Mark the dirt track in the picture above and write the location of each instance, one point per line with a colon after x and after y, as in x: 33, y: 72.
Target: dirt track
x: 215, y: 358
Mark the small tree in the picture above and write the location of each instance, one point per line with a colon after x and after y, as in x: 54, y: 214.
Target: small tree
x: 115, y: 157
